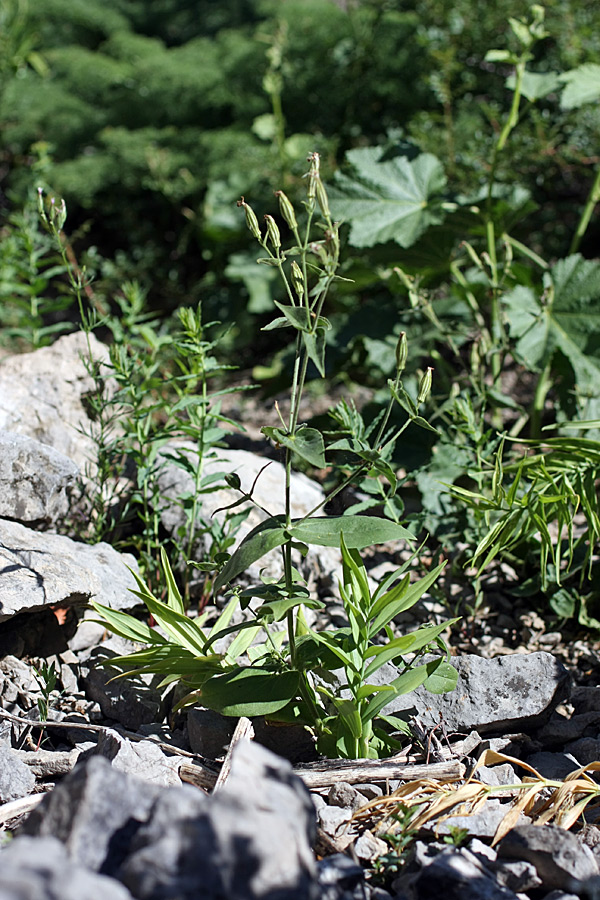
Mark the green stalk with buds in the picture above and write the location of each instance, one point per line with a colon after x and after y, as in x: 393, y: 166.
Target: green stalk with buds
x: 280, y: 681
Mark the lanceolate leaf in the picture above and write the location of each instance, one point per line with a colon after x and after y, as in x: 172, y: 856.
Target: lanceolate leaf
x: 388, y: 200
x: 260, y: 540
x: 566, y: 319
x: 358, y: 531
x: 250, y: 691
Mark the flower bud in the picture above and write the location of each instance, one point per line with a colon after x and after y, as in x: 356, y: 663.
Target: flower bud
x: 287, y: 210
x: 58, y: 213
x: 297, y: 279
x: 425, y: 386
x: 401, y: 352
x: 332, y: 240
x: 41, y: 209
x: 322, y: 198
x: 251, y: 220
x: 313, y: 174
x: 273, y: 232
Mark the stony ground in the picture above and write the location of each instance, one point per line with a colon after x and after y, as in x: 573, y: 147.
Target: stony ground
x: 116, y: 797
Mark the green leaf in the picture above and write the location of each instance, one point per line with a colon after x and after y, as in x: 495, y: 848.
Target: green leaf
x: 582, y: 86
x: 567, y: 321
x: 442, y: 678
x: 297, y: 316
x: 404, y: 684
x: 127, y: 626
x: 306, y: 442
x: 315, y: 347
x: 400, y: 598
x: 260, y: 540
x: 250, y: 691
x: 388, y: 200
x: 358, y: 531
x: 536, y: 85
x: 276, y: 610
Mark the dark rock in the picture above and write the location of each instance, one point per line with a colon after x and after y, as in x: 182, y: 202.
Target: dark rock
x: 518, y: 875
x: 459, y: 875
x: 552, y: 765
x: 95, y: 811
x: 252, y: 839
x: 209, y: 733
x: 560, y: 730
x: 35, y: 481
x: 559, y: 858
x: 585, y: 750
x: 16, y: 779
x: 40, y: 869
x: 132, y: 702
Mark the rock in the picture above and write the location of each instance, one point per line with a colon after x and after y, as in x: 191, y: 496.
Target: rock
x: 40, y: 869
x: 552, y: 765
x: 16, y: 682
x: 95, y: 811
x: 585, y: 750
x: 368, y: 847
x: 483, y: 823
x: 508, y: 693
x: 518, y: 876
x: 35, y: 481
x: 559, y: 858
x: 131, y: 701
x: 175, y: 484
x: 209, y: 733
x: 560, y: 730
x: 252, y: 839
x: 459, y: 875
x: 42, y: 396
x: 16, y: 779
x: 45, y: 570
x: 143, y: 759
x: 345, y: 795
x: 338, y: 874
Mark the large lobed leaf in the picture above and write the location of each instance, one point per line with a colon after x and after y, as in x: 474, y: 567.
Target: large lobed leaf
x: 388, y: 200
x: 566, y: 319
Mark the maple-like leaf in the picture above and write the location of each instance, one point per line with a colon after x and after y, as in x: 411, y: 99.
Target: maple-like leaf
x: 393, y: 199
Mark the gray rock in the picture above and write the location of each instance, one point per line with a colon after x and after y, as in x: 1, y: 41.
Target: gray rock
x: 368, y: 847
x: 95, y: 811
x: 338, y: 874
x: 16, y: 779
x: 42, y: 395
x: 44, y: 570
x: 40, y: 869
x: 35, y: 480
x: 482, y: 823
x: 175, y: 483
x: 131, y: 701
x: 459, y: 875
x: 559, y: 858
x: 144, y: 759
x: 518, y: 875
x: 252, y: 839
x: 345, y: 795
x: 504, y: 694
x: 560, y: 730
x: 333, y: 820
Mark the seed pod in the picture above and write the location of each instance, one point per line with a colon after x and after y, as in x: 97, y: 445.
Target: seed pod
x: 287, y: 210
x: 401, y: 352
x: 251, y: 220
x: 425, y: 386
x: 273, y: 232
x: 313, y: 174
x: 322, y: 198
x: 297, y: 279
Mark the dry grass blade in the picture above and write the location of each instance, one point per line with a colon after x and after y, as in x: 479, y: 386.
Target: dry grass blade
x: 441, y: 800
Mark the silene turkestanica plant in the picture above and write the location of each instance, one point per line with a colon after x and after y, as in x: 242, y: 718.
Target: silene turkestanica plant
x: 277, y: 664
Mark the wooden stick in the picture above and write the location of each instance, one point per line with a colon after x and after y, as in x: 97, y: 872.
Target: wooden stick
x: 244, y: 731
x: 352, y: 771
x: 17, y: 808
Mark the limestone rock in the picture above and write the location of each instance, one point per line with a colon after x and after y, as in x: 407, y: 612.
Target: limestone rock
x: 43, y: 570
x: 35, y: 481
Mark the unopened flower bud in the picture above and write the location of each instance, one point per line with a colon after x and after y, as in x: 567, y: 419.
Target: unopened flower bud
x: 41, y: 209
x: 319, y: 250
x: 251, y: 220
x: 313, y: 175
x: 322, y: 198
x: 401, y: 352
x: 273, y: 232
x: 58, y: 213
x: 287, y: 210
x: 297, y: 279
x: 425, y: 386
x: 332, y: 239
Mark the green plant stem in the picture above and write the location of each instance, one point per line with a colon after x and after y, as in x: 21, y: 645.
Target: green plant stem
x: 541, y: 392
x: 586, y: 215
